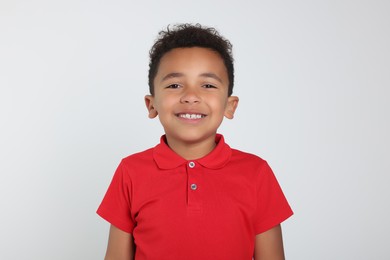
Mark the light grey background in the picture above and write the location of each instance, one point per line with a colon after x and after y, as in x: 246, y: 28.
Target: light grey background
x: 313, y: 79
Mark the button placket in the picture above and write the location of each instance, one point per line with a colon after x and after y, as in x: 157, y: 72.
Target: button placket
x: 193, y: 186
x: 194, y: 177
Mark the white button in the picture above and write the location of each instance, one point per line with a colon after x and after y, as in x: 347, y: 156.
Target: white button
x: 194, y: 186
x: 191, y: 164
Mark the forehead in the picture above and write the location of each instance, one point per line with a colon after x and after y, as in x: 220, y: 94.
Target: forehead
x: 193, y: 59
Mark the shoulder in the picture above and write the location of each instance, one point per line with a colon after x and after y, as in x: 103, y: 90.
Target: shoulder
x: 248, y: 164
x: 146, y: 154
x: 139, y: 159
x: 239, y: 156
x: 135, y: 166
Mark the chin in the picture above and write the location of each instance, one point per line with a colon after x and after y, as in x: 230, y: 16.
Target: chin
x: 191, y: 137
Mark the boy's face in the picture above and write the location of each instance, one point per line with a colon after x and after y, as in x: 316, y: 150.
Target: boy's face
x: 191, y: 95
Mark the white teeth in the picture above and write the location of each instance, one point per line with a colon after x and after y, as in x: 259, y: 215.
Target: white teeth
x: 191, y: 116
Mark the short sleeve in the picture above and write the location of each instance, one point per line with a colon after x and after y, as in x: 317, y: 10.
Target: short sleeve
x: 116, y: 204
x: 272, y: 207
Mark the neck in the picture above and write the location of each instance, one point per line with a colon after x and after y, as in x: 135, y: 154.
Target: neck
x: 192, y: 151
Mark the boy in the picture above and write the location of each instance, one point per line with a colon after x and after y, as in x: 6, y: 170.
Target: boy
x: 192, y: 196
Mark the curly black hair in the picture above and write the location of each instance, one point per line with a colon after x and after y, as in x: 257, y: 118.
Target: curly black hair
x: 186, y: 36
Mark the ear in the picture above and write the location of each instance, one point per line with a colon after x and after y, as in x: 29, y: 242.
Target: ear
x: 149, y: 102
x: 231, y: 107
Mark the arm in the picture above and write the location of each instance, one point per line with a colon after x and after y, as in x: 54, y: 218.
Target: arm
x: 269, y: 245
x: 120, y: 245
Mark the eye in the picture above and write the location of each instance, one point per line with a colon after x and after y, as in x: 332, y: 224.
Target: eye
x: 173, y: 86
x: 209, y: 86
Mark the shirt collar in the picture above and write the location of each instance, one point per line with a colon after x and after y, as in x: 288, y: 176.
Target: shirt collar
x: 166, y: 158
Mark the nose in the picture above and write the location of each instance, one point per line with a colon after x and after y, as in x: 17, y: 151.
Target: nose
x: 190, y: 97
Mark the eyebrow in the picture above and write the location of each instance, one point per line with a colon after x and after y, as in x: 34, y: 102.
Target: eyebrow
x: 172, y: 75
x: 211, y: 75
x: 179, y: 75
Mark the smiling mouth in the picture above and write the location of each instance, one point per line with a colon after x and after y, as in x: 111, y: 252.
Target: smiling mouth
x: 191, y: 116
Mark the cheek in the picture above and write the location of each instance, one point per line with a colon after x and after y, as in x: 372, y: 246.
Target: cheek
x: 219, y: 104
x: 165, y: 104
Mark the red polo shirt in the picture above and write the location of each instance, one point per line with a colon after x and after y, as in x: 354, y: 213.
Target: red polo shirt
x: 210, y: 208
